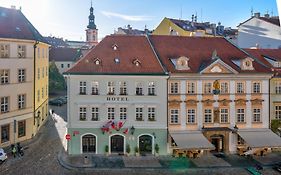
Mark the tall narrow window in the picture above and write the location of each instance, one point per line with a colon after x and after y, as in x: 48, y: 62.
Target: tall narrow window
x: 21, y: 128
x: 21, y: 101
x: 278, y: 87
x: 43, y: 72
x: 38, y: 95
x: 240, y: 88
x: 151, y: 114
x: 224, y: 88
x: 240, y: 115
x: 110, y: 88
x: 5, y: 133
x: 174, y: 87
x: 42, y: 93
x: 21, y: 75
x: 4, y: 51
x: 110, y: 113
x: 82, y: 113
x: 4, y: 75
x: 191, y: 116
x: 174, y: 116
x: 21, y: 51
x: 224, y: 115
x: 95, y: 114
x: 151, y: 88
x: 191, y: 87
x: 277, y: 112
x: 47, y: 70
x: 208, y: 115
x: 207, y: 88
x: 139, y: 114
x: 95, y: 88
x: 38, y: 73
x: 256, y: 87
x: 139, y: 90
x: 4, y: 104
x: 82, y: 88
x: 256, y: 115
x: 123, y: 113
x: 38, y: 52
x: 123, y: 88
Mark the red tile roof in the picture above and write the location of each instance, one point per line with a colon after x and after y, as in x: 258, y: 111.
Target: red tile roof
x: 129, y: 49
x: 64, y: 54
x: 15, y: 25
x: 199, y: 51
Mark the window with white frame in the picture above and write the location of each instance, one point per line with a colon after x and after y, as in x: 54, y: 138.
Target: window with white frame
x: 4, y: 75
x: 208, y: 116
x: 95, y: 88
x: 207, y: 88
x: 190, y: 116
x: 174, y: 116
x: 4, y: 104
x: 38, y: 73
x: 21, y: 128
x: 21, y: 101
x: 123, y: 88
x: 191, y: 87
x: 256, y: 115
x: 38, y: 95
x: 4, y: 51
x: 151, y: 88
x: 95, y: 114
x: 123, y: 113
x: 82, y: 113
x: 240, y: 88
x: 174, y: 88
x: 21, y: 51
x: 21, y: 75
x: 139, y: 88
x: 110, y: 88
x: 278, y: 87
x: 240, y: 115
x: 224, y: 88
x: 139, y: 113
x: 256, y: 87
x: 110, y: 113
x: 151, y: 113
x: 224, y: 115
x: 82, y: 87
x: 278, y: 112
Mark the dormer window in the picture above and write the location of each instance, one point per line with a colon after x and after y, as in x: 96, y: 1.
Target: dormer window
x: 247, y: 64
x: 182, y: 63
x: 97, y: 61
x: 117, y: 60
x: 114, y: 47
x: 137, y: 62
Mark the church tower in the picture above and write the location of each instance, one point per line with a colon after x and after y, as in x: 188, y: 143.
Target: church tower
x: 92, y: 31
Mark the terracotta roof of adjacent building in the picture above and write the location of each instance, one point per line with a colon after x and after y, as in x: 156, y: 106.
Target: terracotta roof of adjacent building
x: 15, y: 25
x: 64, y: 54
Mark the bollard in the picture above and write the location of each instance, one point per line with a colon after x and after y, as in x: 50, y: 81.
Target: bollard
x: 86, y: 160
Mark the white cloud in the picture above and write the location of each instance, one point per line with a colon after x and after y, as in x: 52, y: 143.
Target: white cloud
x: 127, y: 17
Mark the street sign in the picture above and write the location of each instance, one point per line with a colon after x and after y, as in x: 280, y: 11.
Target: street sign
x: 67, y: 136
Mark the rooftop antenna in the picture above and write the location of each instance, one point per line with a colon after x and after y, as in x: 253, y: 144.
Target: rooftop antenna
x: 252, y: 11
x: 181, y: 13
x: 195, y: 18
x: 91, y: 3
x: 201, y: 11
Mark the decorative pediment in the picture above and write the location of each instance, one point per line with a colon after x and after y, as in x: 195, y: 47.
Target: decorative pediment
x: 240, y: 101
x: 208, y: 102
x: 191, y: 102
x: 97, y: 61
x: 137, y: 62
x: 174, y: 101
x: 257, y: 101
x: 218, y: 67
x: 224, y: 102
x: 114, y: 46
x: 247, y: 64
x: 182, y: 63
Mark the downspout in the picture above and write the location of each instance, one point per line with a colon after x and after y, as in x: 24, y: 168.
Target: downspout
x: 34, y: 80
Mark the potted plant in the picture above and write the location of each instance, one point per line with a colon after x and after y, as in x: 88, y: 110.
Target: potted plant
x: 128, y: 149
x: 106, y: 150
x: 137, y: 151
x: 156, y: 149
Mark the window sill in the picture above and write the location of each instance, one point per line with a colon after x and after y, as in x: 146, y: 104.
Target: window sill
x: 95, y: 94
x: 110, y: 94
x: 241, y: 122
x: 139, y: 94
x: 253, y: 122
x: 151, y: 94
x: 123, y: 94
x: 139, y: 120
x: 191, y: 123
x: 82, y: 94
x: 174, y: 123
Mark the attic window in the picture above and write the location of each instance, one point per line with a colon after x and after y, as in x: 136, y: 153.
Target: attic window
x: 117, y: 60
x: 114, y: 47
x: 18, y: 29
x: 182, y: 63
x: 137, y: 62
x: 97, y: 61
x: 247, y: 64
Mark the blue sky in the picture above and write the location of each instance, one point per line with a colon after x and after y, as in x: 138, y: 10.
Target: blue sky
x: 69, y: 18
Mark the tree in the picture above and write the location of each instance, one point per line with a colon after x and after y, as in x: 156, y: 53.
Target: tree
x: 56, y: 80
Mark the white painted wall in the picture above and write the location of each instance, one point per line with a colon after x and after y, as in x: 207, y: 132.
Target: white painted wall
x: 65, y: 65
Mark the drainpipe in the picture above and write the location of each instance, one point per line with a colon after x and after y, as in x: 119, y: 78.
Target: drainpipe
x: 34, y: 80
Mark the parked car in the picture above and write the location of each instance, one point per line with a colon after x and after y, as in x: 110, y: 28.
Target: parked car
x: 63, y: 99
x: 56, y: 102
x: 277, y: 167
x: 3, y: 155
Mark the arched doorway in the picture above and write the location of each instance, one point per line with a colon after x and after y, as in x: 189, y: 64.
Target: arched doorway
x: 89, y: 143
x: 145, y: 144
x: 117, y: 144
x: 218, y: 142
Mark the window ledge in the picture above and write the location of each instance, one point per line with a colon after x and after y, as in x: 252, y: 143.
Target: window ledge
x: 191, y: 123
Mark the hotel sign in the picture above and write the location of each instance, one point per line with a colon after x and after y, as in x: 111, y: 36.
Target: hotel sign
x: 117, y: 99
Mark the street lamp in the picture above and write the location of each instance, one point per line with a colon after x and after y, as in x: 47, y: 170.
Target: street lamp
x: 133, y: 130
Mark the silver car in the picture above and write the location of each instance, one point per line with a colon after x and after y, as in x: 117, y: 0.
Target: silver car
x: 3, y: 155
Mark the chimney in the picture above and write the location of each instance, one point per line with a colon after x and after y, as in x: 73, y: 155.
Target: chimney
x: 266, y: 15
x: 257, y: 15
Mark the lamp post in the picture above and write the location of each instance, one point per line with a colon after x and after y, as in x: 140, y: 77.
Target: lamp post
x: 133, y: 130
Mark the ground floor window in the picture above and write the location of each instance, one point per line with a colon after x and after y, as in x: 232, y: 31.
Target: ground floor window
x: 5, y: 133
x: 145, y: 144
x: 21, y: 128
x: 117, y: 144
x: 278, y: 112
x: 89, y: 143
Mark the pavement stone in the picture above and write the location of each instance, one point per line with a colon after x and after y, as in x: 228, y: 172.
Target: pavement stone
x: 147, y: 161
x: 210, y: 161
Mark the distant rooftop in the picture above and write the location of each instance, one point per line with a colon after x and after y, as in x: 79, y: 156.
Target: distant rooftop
x: 130, y: 31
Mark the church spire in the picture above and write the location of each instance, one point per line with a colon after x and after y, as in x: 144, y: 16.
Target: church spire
x: 92, y: 24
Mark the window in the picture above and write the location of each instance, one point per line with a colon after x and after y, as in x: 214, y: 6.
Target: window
x: 123, y: 88
x: 151, y: 88
x: 43, y: 72
x: 42, y: 93
x: 139, y: 89
x: 174, y: 116
x: 38, y: 52
x: 82, y: 88
x: 83, y: 113
x: 95, y: 88
x: 191, y: 116
x: 38, y: 73
x: 151, y: 114
x: 4, y: 104
x: 21, y: 75
x: 123, y: 113
x: 68, y: 65
x: 110, y: 113
x: 47, y: 71
x: 21, y: 128
x: 256, y: 115
x: 256, y: 87
x: 224, y: 88
x: 4, y: 51
x: 110, y: 88
x: 240, y: 115
x: 61, y: 65
x: 208, y: 88
x: 43, y: 52
x: 139, y: 114
x: 5, y: 133
x: 95, y: 114
x: 21, y: 51
x: 38, y: 95
x: 224, y: 115
x: 21, y: 101
x: 174, y: 88
x: 277, y: 112
x: 4, y: 75
x: 278, y: 87
x: 191, y: 87
x: 240, y: 88
x: 46, y: 90
x: 208, y: 115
